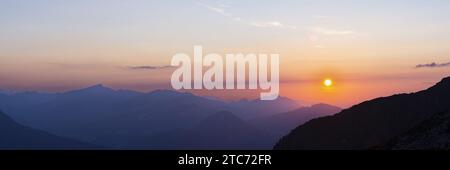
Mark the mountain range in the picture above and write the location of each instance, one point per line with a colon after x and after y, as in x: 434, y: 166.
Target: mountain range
x: 100, y: 117
x: 129, y: 119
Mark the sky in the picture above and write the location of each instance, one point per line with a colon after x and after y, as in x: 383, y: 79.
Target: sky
x: 369, y: 48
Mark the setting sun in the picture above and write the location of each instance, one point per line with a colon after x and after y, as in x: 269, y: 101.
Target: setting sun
x: 327, y: 82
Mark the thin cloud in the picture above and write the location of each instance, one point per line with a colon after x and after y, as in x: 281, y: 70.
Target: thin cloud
x: 272, y: 24
x: 433, y: 65
x: 267, y: 24
x: 221, y: 11
x: 149, y: 67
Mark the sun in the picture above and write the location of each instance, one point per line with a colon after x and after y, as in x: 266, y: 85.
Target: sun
x: 327, y: 82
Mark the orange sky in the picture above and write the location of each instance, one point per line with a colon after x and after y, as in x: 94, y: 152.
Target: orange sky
x: 369, y: 49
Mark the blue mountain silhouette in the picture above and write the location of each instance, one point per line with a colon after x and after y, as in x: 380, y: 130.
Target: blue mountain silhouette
x: 16, y: 136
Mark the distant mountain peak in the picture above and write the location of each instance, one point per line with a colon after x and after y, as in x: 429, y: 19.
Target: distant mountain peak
x: 279, y: 99
x: 99, y: 88
x: 320, y: 104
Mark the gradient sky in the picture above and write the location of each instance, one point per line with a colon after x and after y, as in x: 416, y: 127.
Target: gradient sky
x: 369, y: 48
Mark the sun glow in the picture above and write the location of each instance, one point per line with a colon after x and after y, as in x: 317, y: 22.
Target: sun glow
x: 328, y: 82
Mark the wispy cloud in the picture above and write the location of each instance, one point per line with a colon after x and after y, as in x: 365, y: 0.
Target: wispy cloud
x: 147, y: 67
x: 266, y: 24
x: 218, y: 10
x: 275, y: 24
x: 433, y: 65
x: 319, y: 34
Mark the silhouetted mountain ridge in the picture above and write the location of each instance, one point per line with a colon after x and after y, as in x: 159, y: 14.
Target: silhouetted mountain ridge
x: 222, y: 130
x: 281, y: 123
x: 370, y: 123
x: 16, y: 136
x: 124, y: 118
x: 128, y: 119
x: 251, y: 109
